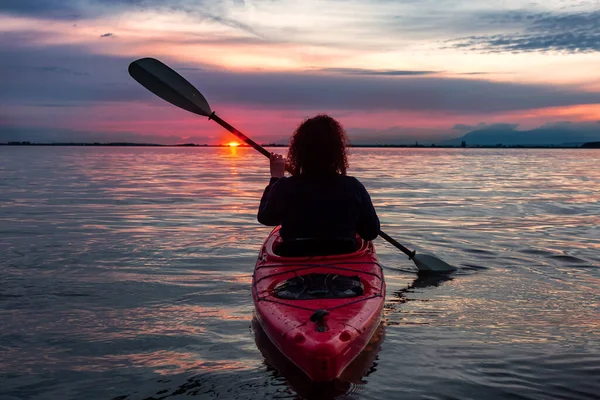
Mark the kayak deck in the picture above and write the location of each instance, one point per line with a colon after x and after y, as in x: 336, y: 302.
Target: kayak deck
x: 321, y: 336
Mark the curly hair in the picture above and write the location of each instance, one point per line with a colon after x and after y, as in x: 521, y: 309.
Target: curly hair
x: 318, y: 147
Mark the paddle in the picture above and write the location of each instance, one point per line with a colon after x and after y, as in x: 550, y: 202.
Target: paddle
x: 172, y: 87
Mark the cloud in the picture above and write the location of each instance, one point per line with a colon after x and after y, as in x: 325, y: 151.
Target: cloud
x: 90, y: 9
x: 395, y: 135
x: 63, y: 74
x: 541, y: 32
x: 482, y: 73
x: 54, y: 70
x: 106, y: 35
x: 68, y: 10
x: 374, y: 72
x: 467, y: 128
x: 23, y: 81
x: 227, y: 22
x: 380, y: 26
x: 331, y: 92
x: 58, y: 9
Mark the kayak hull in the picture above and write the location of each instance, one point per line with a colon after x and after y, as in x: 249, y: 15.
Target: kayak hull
x: 322, y: 349
x: 353, y: 375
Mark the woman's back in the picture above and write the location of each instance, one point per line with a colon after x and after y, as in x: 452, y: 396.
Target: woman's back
x: 334, y: 206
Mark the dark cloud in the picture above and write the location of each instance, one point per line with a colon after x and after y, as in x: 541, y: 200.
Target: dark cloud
x: 24, y: 80
x: 394, y: 135
x: 517, y: 31
x: 223, y: 21
x: 467, y: 128
x: 106, y: 35
x: 192, y: 69
x: 61, y: 74
x: 58, y: 9
x: 89, y: 9
x: 69, y: 10
x: 373, y: 72
x: 482, y: 73
x: 53, y: 70
x: 330, y: 92
x: 540, y: 32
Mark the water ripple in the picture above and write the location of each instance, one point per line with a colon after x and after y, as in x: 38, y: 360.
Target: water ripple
x: 125, y: 274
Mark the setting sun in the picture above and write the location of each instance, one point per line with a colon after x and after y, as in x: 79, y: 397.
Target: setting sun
x: 233, y: 144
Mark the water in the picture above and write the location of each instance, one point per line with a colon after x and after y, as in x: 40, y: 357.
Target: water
x: 125, y: 274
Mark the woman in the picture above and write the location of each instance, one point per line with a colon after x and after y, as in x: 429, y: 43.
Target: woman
x: 319, y: 201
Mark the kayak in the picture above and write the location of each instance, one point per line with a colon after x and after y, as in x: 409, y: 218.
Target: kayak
x: 319, y: 311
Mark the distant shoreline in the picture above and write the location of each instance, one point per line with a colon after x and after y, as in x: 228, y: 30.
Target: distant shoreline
x: 591, y: 145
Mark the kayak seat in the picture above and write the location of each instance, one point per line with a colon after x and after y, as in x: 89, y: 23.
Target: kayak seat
x: 319, y: 286
x: 306, y: 247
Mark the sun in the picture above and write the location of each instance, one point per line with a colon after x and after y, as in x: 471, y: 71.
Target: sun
x: 233, y: 144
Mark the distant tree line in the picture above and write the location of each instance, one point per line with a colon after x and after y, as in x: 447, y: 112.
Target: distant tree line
x: 591, y: 145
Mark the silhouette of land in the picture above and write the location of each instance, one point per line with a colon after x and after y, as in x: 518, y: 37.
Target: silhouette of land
x: 415, y: 145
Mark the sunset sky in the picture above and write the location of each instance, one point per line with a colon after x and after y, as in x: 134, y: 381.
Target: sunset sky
x: 390, y: 71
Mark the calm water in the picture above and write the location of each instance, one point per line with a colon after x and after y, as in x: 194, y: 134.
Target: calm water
x: 125, y: 274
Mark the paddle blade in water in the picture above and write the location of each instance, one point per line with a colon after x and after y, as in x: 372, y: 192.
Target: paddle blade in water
x: 427, y: 263
x: 169, y: 85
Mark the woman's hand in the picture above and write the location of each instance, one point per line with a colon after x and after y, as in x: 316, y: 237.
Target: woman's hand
x: 277, y: 166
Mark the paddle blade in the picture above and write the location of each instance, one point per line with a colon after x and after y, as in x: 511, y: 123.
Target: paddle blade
x: 427, y: 263
x: 169, y: 85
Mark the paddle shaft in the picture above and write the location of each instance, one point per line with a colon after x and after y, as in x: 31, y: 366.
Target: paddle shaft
x: 266, y: 153
x: 397, y: 245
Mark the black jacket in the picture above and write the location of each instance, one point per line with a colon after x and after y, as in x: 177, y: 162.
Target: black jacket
x: 336, y: 206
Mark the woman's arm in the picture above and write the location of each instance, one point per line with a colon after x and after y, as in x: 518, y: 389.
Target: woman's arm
x: 368, y: 222
x: 269, y: 211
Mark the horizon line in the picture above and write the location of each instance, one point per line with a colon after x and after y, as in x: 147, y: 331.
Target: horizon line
x: 379, y: 145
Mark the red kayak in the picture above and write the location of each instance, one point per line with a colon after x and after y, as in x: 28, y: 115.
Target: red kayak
x: 319, y: 311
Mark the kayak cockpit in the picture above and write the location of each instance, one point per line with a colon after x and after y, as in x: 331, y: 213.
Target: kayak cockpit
x: 331, y: 248
x: 313, y: 286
